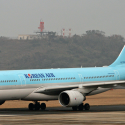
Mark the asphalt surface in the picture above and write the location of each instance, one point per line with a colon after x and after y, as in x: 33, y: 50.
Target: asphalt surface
x: 110, y: 115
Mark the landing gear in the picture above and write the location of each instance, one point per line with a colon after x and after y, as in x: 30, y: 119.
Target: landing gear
x: 43, y: 106
x: 81, y: 107
x: 31, y: 106
x: 74, y: 108
x: 37, y: 106
x: 86, y: 106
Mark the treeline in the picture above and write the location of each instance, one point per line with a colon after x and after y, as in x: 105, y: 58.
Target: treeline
x: 90, y: 49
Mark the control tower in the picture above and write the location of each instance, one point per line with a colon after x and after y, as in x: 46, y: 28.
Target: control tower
x: 41, y: 31
x: 41, y: 27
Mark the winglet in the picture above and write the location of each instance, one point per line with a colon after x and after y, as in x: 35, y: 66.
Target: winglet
x: 120, y: 61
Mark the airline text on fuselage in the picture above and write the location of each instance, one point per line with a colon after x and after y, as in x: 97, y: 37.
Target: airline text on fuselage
x: 39, y: 75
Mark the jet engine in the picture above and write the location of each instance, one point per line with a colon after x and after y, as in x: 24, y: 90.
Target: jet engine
x: 1, y: 102
x: 70, y: 98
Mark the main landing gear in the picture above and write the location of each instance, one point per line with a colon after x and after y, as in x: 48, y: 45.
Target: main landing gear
x: 81, y: 107
x: 37, y: 106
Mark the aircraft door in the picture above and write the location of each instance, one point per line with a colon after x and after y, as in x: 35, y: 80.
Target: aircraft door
x: 22, y: 80
x: 80, y: 77
x: 117, y: 75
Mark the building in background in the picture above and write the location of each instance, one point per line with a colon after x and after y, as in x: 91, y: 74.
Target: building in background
x: 40, y: 33
x: 27, y: 37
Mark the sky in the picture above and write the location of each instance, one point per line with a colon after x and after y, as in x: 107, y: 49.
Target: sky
x: 23, y: 16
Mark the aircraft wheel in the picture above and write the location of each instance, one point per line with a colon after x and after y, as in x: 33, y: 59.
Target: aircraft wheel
x: 74, y: 108
x: 87, y: 106
x: 37, y: 106
x: 43, y: 106
x: 31, y: 106
x: 80, y: 107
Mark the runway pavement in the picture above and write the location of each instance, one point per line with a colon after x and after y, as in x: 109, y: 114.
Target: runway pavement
x: 110, y: 115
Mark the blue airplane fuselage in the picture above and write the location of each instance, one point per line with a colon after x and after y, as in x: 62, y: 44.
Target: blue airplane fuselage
x: 67, y: 75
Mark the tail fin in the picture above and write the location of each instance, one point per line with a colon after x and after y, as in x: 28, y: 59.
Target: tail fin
x: 120, y: 61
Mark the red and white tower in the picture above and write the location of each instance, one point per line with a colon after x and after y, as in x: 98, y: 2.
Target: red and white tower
x: 63, y: 32
x: 69, y: 32
x: 41, y: 27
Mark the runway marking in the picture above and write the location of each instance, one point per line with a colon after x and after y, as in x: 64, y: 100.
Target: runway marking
x: 6, y: 115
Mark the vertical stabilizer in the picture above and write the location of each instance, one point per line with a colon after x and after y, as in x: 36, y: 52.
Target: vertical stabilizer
x: 120, y: 60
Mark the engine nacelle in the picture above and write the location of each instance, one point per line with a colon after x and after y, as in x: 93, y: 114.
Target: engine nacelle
x: 70, y: 98
x: 1, y: 102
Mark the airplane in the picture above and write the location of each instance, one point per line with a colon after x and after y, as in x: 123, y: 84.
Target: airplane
x: 70, y: 86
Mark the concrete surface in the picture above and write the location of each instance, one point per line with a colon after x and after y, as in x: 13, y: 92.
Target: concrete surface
x: 98, y: 115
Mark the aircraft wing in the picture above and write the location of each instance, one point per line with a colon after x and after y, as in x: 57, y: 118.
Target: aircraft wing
x: 55, y: 90
x: 104, y: 84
